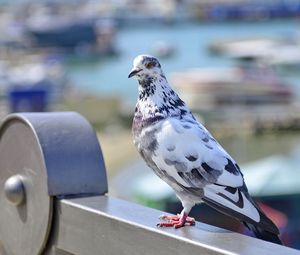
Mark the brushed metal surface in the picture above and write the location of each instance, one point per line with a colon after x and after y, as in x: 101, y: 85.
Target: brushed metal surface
x: 105, y: 225
x: 24, y: 228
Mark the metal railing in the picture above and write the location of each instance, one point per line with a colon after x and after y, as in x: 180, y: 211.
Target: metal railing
x: 53, y: 202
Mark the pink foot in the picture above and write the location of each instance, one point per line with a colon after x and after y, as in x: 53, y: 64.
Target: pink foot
x: 176, y: 221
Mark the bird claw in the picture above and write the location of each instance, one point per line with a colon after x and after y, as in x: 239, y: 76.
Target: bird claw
x: 176, y: 221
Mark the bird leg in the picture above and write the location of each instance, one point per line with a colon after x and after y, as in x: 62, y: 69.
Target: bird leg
x: 176, y: 221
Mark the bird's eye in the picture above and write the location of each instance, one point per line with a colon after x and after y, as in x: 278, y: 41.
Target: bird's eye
x: 149, y: 65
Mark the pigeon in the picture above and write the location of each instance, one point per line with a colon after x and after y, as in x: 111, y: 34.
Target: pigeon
x: 183, y: 153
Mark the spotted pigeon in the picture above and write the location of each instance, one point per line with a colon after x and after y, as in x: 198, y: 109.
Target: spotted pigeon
x: 183, y: 153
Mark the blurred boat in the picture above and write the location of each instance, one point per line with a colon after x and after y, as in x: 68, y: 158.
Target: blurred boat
x: 81, y: 36
x: 251, y: 46
x: 32, y: 85
x: 286, y: 57
x: 243, y: 85
x: 277, y: 53
x: 219, y: 10
x: 163, y: 49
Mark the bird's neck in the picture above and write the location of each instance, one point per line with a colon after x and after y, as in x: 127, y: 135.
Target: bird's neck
x: 157, y: 99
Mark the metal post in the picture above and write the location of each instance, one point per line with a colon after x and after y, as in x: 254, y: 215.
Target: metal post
x: 43, y: 155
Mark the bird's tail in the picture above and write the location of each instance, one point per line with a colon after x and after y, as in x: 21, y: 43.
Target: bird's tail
x: 263, y: 234
x: 263, y: 229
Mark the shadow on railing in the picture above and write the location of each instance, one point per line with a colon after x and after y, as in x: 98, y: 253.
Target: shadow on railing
x: 53, y: 202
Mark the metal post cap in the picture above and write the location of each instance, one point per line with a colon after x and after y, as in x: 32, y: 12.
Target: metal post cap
x: 43, y: 155
x: 14, y: 190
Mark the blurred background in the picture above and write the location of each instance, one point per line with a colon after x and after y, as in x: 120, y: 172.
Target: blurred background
x: 235, y: 62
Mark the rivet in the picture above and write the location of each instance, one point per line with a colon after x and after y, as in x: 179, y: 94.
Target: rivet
x: 14, y: 190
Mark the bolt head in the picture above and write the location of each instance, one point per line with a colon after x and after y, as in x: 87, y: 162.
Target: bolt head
x: 14, y: 190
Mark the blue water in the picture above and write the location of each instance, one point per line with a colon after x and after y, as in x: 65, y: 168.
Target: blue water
x: 108, y: 76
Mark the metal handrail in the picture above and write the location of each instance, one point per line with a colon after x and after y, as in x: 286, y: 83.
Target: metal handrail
x: 109, y: 226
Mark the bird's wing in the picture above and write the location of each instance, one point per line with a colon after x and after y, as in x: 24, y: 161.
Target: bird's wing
x: 189, y: 154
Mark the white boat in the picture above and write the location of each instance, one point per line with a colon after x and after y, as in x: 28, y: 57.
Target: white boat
x: 214, y: 87
x: 274, y: 52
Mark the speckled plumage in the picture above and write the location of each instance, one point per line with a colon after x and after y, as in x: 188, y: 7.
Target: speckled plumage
x: 184, y: 154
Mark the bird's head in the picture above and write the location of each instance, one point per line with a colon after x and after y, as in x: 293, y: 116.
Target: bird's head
x: 144, y: 67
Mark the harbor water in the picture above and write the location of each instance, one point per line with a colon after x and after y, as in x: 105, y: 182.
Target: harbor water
x: 108, y: 76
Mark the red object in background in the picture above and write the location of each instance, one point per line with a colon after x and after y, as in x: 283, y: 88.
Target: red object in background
x: 279, y: 218
x: 281, y: 221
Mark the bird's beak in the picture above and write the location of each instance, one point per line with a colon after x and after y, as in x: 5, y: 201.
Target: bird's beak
x: 134, y: 72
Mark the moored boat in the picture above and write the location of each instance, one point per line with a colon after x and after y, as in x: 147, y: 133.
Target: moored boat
x: 211, y: 88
